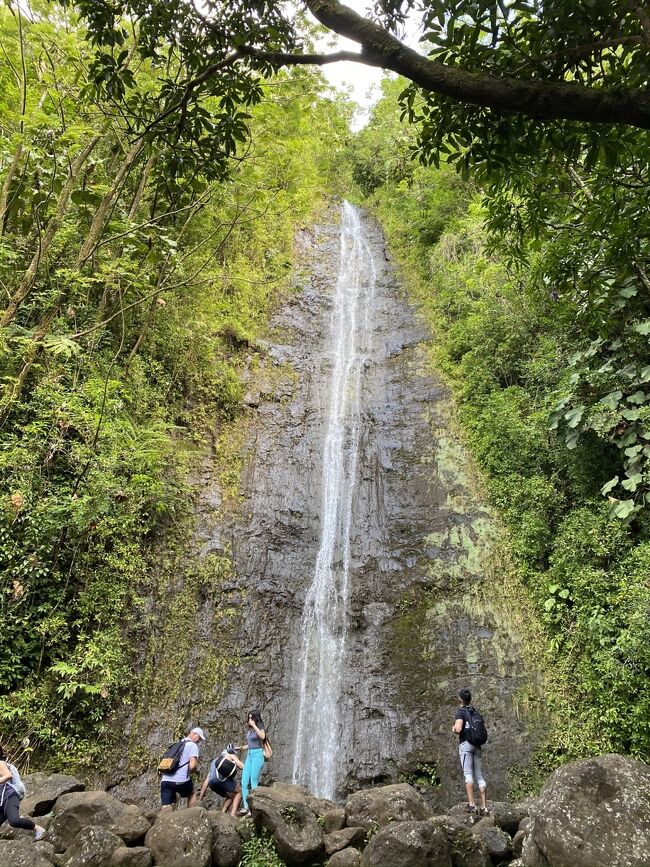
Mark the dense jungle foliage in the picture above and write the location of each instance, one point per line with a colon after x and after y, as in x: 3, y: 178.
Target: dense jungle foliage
x: 153, y: 169
x: 534, y: 278
x: 130, y: 298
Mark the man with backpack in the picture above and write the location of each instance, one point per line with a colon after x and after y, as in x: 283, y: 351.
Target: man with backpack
x: 221, y: 779
x: 177, y: 766
x: 472, y: 734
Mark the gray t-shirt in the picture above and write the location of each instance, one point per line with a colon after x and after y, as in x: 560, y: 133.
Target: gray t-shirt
x: 253, y: 740
x: 182, y: 775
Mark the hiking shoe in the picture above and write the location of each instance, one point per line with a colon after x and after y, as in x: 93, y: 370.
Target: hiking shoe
x: 40, y: 832
x: 471, y: 808
x: 484, y: 811
x: 243, y: 811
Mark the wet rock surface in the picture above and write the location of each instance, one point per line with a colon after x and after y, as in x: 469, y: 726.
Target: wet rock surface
x: 419, y: 624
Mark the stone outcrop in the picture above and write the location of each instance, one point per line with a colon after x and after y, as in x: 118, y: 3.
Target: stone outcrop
x: 408, y: 844
x: 77, y: 810
x: 592, y: 813
x: 92, y: 847
x: 331, y: 815
x: 23, y: 853
x: 374, y: 808
x: 181, y: 839
x: 337, y: 840
x: 132, y: 856
x: 467, y: 850
x: 296, y: 833
x: 345, y: 858
x: 226, y: 841
x: 43, y: 791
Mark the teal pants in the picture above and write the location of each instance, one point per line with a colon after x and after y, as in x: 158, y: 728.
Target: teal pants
x: 250, y: 776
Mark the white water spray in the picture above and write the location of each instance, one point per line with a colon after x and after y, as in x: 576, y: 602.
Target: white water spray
x: 324, y: 623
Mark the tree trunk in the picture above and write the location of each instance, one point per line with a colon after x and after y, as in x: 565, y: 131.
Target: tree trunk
x: 27, y: 283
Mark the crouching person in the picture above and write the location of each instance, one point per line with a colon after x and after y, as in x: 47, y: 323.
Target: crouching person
x: 221, y: 779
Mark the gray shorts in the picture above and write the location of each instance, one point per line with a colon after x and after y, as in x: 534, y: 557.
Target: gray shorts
x: 470, y: 760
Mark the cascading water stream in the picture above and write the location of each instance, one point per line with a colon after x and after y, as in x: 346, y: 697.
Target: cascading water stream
x: 324, y: 621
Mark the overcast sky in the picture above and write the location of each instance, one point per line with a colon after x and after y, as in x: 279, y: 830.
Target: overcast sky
x: 364, y: 81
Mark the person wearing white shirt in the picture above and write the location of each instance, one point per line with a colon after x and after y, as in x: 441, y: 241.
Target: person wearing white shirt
x: 180, y: 783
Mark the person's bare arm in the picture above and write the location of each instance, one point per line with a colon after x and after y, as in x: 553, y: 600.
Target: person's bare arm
x: 204, y: 787
x: 458, y: 726
x: 261, y: 734
x: 5, y: 773
x: 192, y: 764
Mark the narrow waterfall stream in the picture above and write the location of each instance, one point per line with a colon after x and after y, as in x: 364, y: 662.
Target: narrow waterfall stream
x: 324, y: 621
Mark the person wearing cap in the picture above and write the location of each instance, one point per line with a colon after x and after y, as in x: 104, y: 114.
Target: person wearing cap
x: 180, y: 783
x: 221, y: 779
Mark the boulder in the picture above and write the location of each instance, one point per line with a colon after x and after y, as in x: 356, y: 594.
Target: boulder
x: 467, y: 850
x: 22, y: 853
x: 338, y: 840
x: 592, y: 813
x: 76, y: 810
x: 345, y: 858
x: 181, y: 839
x: 518, y: 842
x: 331, y: 815
x: 132, y: 856
x: 460, y: 814
x: 9, y: 833
x: 375, y: 808
x: 498, y: 843
x: 296, y: 833
x: 92, y: 847
x: 507, y: 816
x: 408, y: 844
x: 43, y: 791
x: 226, y: 842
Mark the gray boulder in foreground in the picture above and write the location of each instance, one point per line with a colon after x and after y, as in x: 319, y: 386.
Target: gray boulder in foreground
x: 592, y: 813
x: 22, y: 853
x: 92, y: 847
x: 373, y: 808
x: 181, y: 839
x: 77, y: 810
x: 408, y: 844
x: 43, y: 791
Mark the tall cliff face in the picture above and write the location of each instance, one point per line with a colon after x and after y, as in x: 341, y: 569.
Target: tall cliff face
x: 419, y: 624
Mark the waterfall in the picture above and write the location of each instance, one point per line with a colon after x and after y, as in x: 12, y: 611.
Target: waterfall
x: 324, y: 620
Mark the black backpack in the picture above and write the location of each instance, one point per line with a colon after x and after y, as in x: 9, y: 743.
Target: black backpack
x: 224, y: 768
x: 171, y: 760
x: 476, y: 734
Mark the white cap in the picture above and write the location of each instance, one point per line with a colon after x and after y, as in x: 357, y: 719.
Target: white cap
x: 199, y: 732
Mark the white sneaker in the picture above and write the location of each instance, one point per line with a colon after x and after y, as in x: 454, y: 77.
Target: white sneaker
x: 40, y: 832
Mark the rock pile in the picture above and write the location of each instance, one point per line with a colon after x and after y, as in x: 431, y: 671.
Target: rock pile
x: 592, y: 813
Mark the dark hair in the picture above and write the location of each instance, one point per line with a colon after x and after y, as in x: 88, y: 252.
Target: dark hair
x: 465, y: 695
x: 3, y: 755
x: 257, y: 718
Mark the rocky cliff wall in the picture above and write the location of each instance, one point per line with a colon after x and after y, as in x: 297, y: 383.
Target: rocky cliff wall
x: 421, y: 623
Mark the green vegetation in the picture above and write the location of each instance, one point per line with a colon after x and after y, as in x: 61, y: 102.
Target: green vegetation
x: 533, y: 279
x: 259, y: 851
x: 131, y: 296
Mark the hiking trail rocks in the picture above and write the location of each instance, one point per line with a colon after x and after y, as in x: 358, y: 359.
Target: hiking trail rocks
x: 591, y: 813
